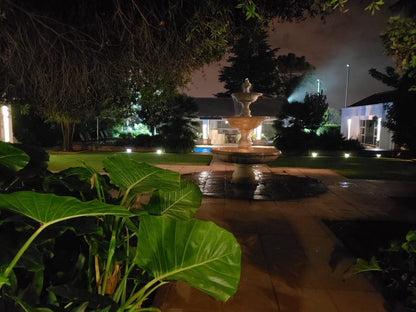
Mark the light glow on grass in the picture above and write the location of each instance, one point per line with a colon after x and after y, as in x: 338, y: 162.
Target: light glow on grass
x: 314, y: 154
x: 347, y: 155
x: 159, y: 152
x: 128, y: 150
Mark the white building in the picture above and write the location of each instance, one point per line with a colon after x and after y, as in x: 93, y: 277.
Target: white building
x: 363, y: 121
x: 6, y: 129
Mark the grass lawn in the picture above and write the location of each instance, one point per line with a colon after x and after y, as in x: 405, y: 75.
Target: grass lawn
x: 61, y: 161
x: 354, y: 167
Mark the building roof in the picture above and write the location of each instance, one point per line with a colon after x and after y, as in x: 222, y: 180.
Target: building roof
x: 213, y: 108
x: 377, y: 98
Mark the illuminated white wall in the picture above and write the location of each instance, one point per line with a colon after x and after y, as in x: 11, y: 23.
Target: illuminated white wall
x: 6, y: 129
x: 351, y: 117
x: 205, y: 128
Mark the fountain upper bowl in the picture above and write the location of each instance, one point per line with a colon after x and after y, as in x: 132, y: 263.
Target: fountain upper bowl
x: 247, y: 96
x: 245, y: 123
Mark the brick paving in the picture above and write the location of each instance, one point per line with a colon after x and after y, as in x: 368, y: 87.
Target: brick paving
x: 291, y: 262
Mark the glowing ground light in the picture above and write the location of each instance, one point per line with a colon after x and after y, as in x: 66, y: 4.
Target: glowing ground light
x: 314, y: 154
x: 378, y: 155
x: 346, y: 155
x: 344, y: 184
x: 159, y: 151
x: 128, y: 150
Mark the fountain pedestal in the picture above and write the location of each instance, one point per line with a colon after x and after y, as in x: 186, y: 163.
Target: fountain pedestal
x: 245, y: 160
x: 244, y: 174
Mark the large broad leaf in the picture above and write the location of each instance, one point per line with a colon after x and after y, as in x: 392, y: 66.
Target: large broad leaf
x: 49, y: 208
x: 12, y: 157
x: 198, y: 252
x: 136, y: 177
x: 179, y: 204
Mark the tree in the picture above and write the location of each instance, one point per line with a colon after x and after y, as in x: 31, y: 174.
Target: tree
x: 177, y: 133
x: 292, y: 70
x: 252, y: 58
x: 298, y: 122
x: 400, y: 115
x: 65, y: 58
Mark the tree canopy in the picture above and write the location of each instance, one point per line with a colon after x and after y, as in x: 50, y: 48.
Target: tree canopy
x: 400, y: 115
x: 252, y: 58
x: 298, y: 122
x: 66, y: 57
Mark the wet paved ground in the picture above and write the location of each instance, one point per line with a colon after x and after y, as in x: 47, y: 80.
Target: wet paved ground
x: 290, y: 260
x: 270, y: 186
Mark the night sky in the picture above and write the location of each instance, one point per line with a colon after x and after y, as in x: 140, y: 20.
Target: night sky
x: 349, y: 38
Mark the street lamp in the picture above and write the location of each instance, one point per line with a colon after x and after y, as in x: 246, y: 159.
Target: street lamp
x: 319, y: 85
x: 346, y: 85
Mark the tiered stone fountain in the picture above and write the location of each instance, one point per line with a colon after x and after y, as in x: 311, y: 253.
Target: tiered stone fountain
x: 245, y: 156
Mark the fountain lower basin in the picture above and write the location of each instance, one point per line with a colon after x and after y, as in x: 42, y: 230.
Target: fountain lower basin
x: 253, y: 155
x: 245, y: 159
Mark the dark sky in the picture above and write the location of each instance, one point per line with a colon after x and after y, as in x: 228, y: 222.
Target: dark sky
x: 349, y: 38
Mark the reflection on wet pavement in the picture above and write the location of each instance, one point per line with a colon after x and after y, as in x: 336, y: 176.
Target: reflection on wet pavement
x: 270, y: 186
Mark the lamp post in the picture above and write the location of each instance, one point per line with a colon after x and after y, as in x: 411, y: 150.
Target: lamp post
x: 319, y: 85
x: 346, y: 85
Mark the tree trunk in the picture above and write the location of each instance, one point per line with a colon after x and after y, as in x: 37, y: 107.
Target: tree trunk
x: 68, y: 129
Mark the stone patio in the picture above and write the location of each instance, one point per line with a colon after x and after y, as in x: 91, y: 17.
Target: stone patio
x: 291, y: 261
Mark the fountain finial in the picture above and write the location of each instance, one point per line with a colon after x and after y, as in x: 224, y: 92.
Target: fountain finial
x: 246, y: 86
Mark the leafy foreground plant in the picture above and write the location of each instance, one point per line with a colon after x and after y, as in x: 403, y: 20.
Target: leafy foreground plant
x: 126, y: 248
x: 397, y: 268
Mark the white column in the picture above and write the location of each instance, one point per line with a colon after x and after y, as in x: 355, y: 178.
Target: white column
x: 257, y: 132
x: 349, y: 128
x: 378, y: 129
x: 205, y: 129
x: 7, y: 123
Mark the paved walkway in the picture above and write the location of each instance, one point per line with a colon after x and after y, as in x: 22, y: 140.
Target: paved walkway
x: 291, y: 261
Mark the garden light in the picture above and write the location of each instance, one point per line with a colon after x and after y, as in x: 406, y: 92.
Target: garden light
x: 346, y: 155
x: 128, y: 150
x: 314, y: 154
x: 378, y: 155
x: 159, y: 151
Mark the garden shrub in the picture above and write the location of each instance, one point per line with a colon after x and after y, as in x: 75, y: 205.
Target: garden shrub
x: 67, y: 253
x: 28, y: 128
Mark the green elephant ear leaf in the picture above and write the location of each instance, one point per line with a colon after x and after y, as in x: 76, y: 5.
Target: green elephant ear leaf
x: 49, y: 208
x: 179, y: 204
x: 197, y: 252
x: 137, y: 178
x: 12, y: 157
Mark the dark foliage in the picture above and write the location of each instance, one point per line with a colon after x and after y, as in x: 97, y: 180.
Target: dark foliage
x: 252, y: 58
x: 141, y: 140
x: 400, y: 115
x: 292, y: 70
x: 177, y: 133
x: 297, y: 123
x: 29, y: 128
x: 384, y: 241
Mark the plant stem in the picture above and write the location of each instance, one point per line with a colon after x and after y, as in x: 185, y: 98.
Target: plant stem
x: 111, y: 251
x: 23, y: 249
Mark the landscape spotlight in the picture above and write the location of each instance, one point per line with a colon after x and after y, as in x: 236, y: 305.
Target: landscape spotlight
x: 346, y: 155
x: 159, y: 151
x: 128, y: 150
x: 314, y: 154
x: 378, y: 155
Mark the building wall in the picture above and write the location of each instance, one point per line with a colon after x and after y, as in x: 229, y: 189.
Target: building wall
x: 6, y: 127
x: 351, y: 123
x: 219, y: 132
